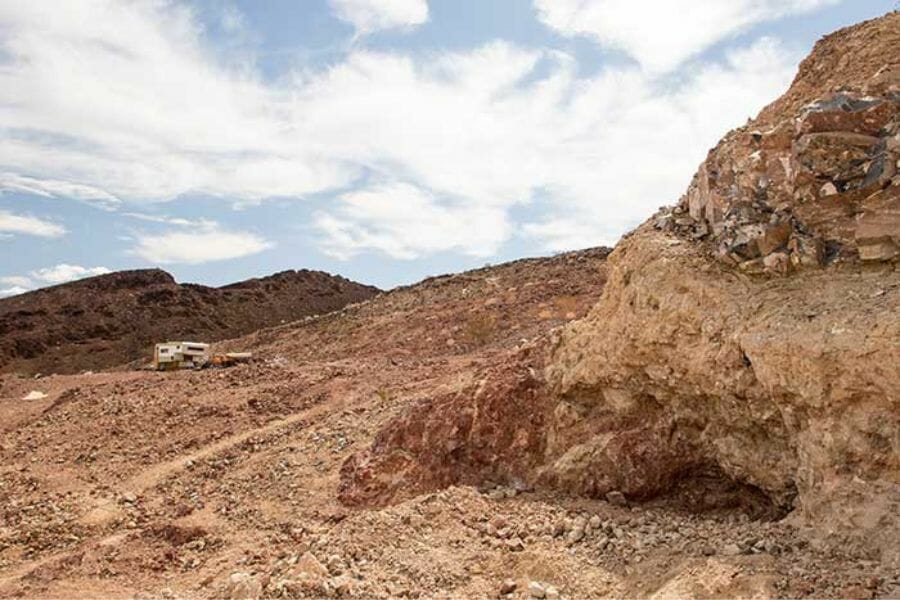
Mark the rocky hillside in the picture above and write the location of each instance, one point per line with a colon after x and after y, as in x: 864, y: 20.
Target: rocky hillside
x: 217, y: 483
x: 764, y: 309
x: 112, y: 319
x: 709, y: 411
x: 746, y: 348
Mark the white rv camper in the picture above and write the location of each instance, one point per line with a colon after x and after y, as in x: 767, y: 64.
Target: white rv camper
x: 180, y: 355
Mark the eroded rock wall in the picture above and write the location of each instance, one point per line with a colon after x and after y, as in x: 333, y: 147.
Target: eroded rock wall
x: 790, y: 385
x: 757, y: 322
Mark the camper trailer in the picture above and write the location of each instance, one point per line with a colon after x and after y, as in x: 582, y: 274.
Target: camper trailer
x: 180, y: 355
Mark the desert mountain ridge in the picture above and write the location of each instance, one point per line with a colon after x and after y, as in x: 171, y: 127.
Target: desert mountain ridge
x: 707, y: 411
x: 108, y: 320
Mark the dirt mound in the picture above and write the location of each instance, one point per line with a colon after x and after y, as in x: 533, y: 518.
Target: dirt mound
x: 747, y: 344
x: 112, y: 319
x: 493, y: 429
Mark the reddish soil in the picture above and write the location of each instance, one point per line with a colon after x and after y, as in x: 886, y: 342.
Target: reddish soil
x: 120, y: 482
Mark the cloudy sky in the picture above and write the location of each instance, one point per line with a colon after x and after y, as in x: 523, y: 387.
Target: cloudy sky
x: 385, y: 140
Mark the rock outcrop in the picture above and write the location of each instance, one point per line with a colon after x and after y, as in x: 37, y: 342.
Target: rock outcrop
x: 813, y: 180
x: 491, y: 430
x: 749, y: 336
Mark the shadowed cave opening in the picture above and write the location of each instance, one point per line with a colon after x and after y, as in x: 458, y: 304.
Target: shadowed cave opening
x: 707, y: 489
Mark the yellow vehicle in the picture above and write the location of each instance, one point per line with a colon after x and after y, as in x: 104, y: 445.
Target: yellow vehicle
x: 230, y: 359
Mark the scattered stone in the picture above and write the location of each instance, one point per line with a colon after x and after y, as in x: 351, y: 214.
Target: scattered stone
x: 309, y: 567
x: 243, y: 586
x: 777, y: 262
x: 559, y: 528
x: 335, y: 565
x: 497, y: 494
x: 508, y: 586
x: 515, y: 544
x: 536, y: 590
x: 575, y: 536
x: 341, y: 586
x: 829, y: 189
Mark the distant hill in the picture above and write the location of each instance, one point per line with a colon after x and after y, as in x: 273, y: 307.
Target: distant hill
x: 112, y: 319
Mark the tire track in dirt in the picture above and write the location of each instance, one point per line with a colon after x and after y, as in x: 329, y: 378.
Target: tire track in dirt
x: 106, y: 510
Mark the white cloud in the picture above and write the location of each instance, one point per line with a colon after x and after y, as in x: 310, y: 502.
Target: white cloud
x: 373, y: 15
x: 50, y: 188
x: 232, y: 20
x: 177, y: 221
x: 406, y: 222
x: 472, y: 134
x: 63, y: 272
x: 602, y: 152
x: 198, y: 247
x: 15, y: 280
x: 14, y: 285
x: 151, y: 127
x: 12, y: 224
x: 13, y: 291
x: 560, y: 234
x: 660, y: 35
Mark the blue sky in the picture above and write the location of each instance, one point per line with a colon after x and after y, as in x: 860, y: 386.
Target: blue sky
x: 385, y: 140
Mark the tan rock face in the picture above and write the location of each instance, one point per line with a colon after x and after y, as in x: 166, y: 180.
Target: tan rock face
x: 791, y: 386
